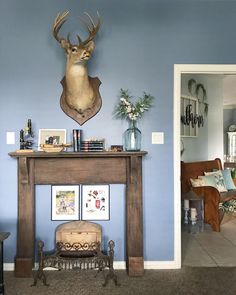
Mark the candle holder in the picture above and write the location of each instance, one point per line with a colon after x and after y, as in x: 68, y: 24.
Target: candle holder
x: 193, y: 220
x: 186, y: 213
x: 193, y: 216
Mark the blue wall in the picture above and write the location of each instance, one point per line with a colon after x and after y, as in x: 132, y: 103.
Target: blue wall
x: 139, y: 42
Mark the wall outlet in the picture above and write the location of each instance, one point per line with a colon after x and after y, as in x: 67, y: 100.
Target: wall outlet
x: 10, y: 138
x: 157, y: 138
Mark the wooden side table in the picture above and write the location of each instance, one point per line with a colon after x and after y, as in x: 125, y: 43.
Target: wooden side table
x: 3, y: 236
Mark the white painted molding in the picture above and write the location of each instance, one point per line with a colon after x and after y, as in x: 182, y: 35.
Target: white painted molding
x: 117, y: 265
x: 229, y: 106
x: 206, y: 69
x: 178, y: 70
x: 176, y: 166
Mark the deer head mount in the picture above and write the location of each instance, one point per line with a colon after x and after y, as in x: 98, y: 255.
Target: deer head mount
x: 80, y: 98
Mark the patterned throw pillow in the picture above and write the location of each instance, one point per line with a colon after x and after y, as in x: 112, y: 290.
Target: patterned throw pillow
x: 228, y: 179
x: 209, y: 180
x: 197, y: 182
x: 219, y: 179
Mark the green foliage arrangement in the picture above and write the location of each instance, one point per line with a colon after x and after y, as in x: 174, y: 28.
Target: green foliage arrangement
x: 229, y: 206
x: 130, y: 110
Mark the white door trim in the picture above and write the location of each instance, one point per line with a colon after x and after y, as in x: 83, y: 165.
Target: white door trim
x: 178, y: 70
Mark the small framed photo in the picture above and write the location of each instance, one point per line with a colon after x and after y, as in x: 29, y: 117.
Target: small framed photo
x: 95, y: 202
x: 65, y: 202
x: 51, y: 136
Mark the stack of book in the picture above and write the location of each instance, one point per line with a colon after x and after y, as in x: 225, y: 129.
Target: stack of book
x: 92, y: 146
x: 77, y: 135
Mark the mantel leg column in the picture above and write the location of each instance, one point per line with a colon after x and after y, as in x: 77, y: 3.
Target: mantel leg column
x: 134, y: 207
x: 25, y: 231
x: 1, y: 269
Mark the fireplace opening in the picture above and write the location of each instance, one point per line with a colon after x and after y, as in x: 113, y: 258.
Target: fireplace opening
x: 78, y: 247
x: 79, y: 239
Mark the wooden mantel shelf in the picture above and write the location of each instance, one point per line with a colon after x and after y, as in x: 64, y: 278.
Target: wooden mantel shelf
x: 37, y: 154
x: 79, y: 168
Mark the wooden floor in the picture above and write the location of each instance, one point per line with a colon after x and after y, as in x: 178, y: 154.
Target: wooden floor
x: 208, y: 248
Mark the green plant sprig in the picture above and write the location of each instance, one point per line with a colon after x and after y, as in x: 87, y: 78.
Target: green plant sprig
x: 126, y: 109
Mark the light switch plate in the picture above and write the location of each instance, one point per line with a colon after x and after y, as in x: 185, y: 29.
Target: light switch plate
x: 11, y: 138
x: 157, y: 138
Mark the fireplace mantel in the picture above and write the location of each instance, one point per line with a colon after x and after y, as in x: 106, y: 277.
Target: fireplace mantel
x: 79, y: 168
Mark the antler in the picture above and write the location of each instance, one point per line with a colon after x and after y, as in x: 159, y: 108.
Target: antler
x: 92, y: 28
x: 58, y: 23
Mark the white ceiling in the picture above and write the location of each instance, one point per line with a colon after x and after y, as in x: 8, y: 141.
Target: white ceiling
x: 229, y: 90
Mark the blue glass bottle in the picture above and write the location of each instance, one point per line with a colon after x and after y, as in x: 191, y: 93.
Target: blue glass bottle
x: 132, y: 138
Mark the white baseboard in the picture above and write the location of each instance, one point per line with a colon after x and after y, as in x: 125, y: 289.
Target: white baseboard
x: 150, y: 265
x: 119, y: 264
x: 8, y: 266
x: 161, y: 265
x: 122, y: 265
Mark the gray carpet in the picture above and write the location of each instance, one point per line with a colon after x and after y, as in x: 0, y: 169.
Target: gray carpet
x: 199, y: 281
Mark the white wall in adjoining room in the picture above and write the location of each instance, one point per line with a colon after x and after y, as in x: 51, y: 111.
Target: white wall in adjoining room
x: 209, y: 142
x: 215, y: 117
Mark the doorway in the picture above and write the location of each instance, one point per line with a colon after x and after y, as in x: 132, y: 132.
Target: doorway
x: 180, y: 69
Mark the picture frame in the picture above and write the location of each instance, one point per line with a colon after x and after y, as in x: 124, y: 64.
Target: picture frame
x: 58, y: 136
x: 95, y: 202
x: 65, y: 202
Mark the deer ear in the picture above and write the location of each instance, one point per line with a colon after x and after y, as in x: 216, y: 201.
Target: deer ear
x: 90, y: 46
x: 65, y: 44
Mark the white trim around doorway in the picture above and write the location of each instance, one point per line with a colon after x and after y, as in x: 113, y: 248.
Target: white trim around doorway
x: 178, y: 70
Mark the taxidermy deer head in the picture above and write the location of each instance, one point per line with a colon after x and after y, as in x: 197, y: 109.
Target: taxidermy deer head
x: 80, y: 98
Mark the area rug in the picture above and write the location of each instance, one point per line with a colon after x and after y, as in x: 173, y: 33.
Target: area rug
x: 188, y: 280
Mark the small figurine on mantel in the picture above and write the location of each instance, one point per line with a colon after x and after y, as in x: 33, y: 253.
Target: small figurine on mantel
x: 26, y: 137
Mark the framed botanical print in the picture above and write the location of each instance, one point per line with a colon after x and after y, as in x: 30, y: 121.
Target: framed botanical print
x: 65, y: 202
x: 95, y: 202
